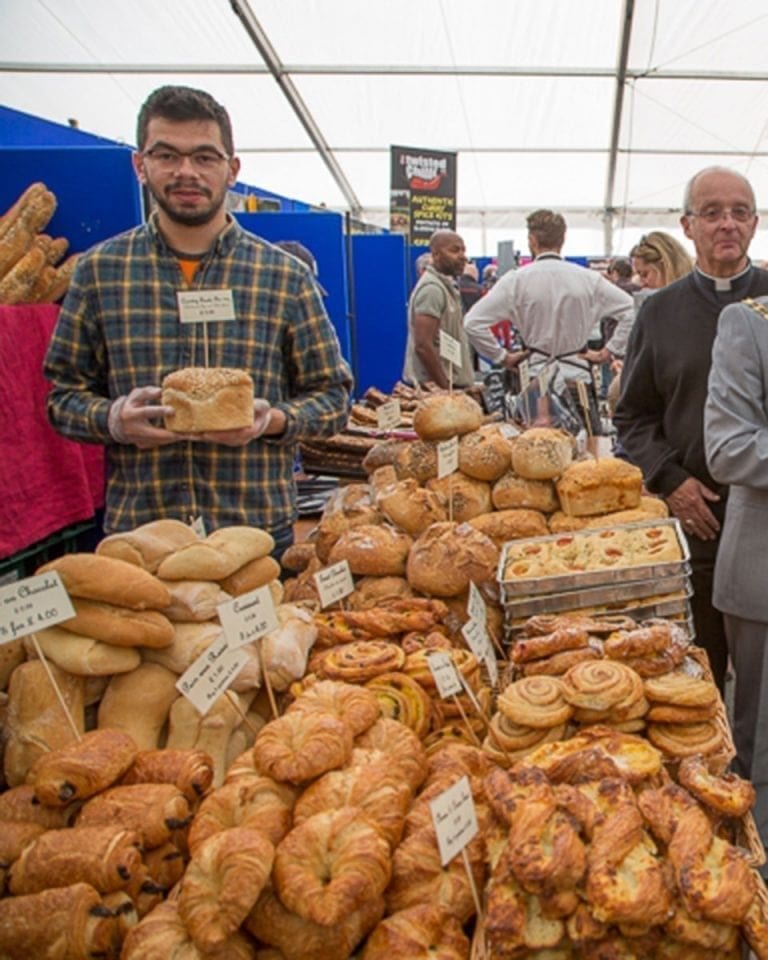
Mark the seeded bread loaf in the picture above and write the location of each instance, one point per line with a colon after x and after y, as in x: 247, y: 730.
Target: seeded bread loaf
x: 208, y: 398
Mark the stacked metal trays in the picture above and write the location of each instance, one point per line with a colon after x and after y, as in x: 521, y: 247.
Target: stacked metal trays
x: 642, y: 590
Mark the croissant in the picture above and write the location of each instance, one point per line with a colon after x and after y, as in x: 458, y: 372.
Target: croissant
x: 223, y: 881
x: 255, y: 802
x: 83, y: 768
x: 301, y: 939
x: 63, y: 922
x: 162, y: 935
x: 153, y: 810
x: 190, y: 771
x: 300, y: 746
x: 421, y: 932
x: 351, y: 703
x: 104, y: 857
x: 405, y: 752
x: 330, y: 865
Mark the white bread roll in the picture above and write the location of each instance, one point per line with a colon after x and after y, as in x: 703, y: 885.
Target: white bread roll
x: 463, y: 496
x: 591, y: 487
x: 218, y: 555
x: 485, y: 453
x: 410, y: 507
x: 83, y: 656
x: 148, y: 545
x: 95, y: 577
x: 441, y: 416
x: 208, y: 398
x: 138, y: 703
x: 193, y: 600
x: 120, y: 626
x: 189, y: 641
x: 284, y: 651
x: 373, y: 549
x: 298, y: 556
x: 35, y: 721
x: 503, y: 525
x: 542, y: 453
x: 448, y: 556
x: 511, y: 491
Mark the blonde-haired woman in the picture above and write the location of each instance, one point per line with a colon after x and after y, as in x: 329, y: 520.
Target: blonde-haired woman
x: 658, y: 259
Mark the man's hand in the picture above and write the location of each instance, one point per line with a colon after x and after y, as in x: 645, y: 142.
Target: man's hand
x: 512, y: 359
x: 689, y: 503
x: 266, y: 422
x: 131, y: 416
x: 597, y: 356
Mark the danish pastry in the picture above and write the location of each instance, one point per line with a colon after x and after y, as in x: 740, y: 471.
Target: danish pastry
x: 599, y: 684
x: 681, y: 690
x: 728, y: 794
x: 558, y: 664
x: 301, y: 745
x: 330, y: 865
x: 421, y: 932
x: 361, y: 661
x: 403, y: 698
x: 686, y: 739
x: 563, y: 638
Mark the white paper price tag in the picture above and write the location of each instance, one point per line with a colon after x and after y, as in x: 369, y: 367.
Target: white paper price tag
x: 450, y: 348
x: 476, y: 635
x: 447, y: 457
x: 334, y: 582
x: 476, y: 609
x: 524, y: 372
x: 388, y: 415
x: 248, y: 617
x: 445, y: 674
x: 32, y: 604
x: 197, y: 526
x: 204, y: 681
x: 202, y: 306
x: 455, y: 820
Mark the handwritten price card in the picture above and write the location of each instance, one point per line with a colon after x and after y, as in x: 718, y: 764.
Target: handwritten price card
x: 388, y: 415
x: 32, y: 604
x: 447, y: 457
x: 248, y: 617
x: 450, y: 348
x: 455, y: 820
x: 204, y: 681
x: 201, y: 306
x: 445, y: 674
x: 334, y: 582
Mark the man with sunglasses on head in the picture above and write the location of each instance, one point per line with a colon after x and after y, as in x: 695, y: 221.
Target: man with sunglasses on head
x: 127, y: 321
x: 660, y: 412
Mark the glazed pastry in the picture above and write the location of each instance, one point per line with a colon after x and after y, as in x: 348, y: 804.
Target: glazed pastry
x: 728, y: 794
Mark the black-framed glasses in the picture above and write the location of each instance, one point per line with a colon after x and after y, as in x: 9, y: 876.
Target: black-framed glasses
x: 741, y: 214
x: 204, y: 160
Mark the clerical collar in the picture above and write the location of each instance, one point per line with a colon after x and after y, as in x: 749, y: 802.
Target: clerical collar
x: 725, y: 284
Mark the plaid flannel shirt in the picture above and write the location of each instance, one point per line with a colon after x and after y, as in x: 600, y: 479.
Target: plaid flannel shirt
x: 119, y: 328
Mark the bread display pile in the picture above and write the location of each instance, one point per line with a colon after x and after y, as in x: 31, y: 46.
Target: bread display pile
x: 31, y: 270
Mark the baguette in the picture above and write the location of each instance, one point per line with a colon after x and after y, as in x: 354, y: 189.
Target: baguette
x: 18, y: 283
x: 61, y: 280
x: 219, y: 555
x: 35, y: 210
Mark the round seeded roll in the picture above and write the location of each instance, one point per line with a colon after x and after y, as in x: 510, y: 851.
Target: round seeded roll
x: 485, y: 453
x: 512, y: 491
x: 447, y: 556
x: 542, y: 453
x: 467, y: 496
x: 445, y: 415
x: 373, y: 550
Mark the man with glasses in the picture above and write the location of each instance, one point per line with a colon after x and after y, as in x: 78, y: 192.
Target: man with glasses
x: 660, y: 413
x: 126, y: 322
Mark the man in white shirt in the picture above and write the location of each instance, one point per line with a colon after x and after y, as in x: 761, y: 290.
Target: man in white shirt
x: 554, y: 304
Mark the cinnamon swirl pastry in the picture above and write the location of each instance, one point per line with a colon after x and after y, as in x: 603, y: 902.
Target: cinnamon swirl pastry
x: 599, y: 684
x: 361, y: 661
x: 537, y: 702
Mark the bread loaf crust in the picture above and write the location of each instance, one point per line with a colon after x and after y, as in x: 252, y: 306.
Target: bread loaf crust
x: 590, y: 487
x: 445, y: 415
x: 208, y: 399
x: 95, y: 577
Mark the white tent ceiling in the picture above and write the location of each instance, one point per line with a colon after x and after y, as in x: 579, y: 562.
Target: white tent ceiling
x: 601, y: 109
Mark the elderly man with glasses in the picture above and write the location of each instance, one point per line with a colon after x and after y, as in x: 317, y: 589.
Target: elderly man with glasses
x: 134, y: 313
x: 660, y: 413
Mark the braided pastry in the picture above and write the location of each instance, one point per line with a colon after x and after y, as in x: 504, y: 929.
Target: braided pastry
x: 599, y: 684
x: 421, y: 932
x: 686, y: 739
x: 402, y: 698
x: 303, y: 744
x: 361, y: 661
x: 728, y: 794
x: 331, y: 864
x: 535, y: 702
x: 352, y: 704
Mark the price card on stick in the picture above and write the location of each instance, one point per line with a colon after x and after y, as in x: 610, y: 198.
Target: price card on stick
x: 388, y: 415
x: 450, y: 348
x: 447, y: 457
x: 203, y: 306
x: 455, y: 820
x: 204, y: 681
x: 32, y: 604
x: 334, y: 582
x: 248, y: 617
x: 476, y: 608
x: 445, y: 674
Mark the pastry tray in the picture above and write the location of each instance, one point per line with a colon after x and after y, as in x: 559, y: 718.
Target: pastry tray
x: 602, y: 577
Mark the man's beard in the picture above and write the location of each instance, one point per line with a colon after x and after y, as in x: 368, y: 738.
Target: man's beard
x: 196, y: 218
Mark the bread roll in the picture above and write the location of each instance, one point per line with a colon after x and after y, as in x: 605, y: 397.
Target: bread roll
x: 189, y: 641
x: 382, y: 454
x: 448, y: 556
x: 284, y: 651
x: 377, y: 550
x: 96, y: 577
x: 485, y: 453
x: 445, y: 415
x: 219, y: 555
x: 298, y: 556
x: 411, y: 507
x: 512, y: 491
x: 194, y: 600
x: 187, y: 729
x: 120, y: 626
x: 208, y: 398
x: 591, y: 487
x: 369, y: 591
x: 36, y: 722
x: 542, y: 453
x: 84, y: 656
x: 11, y: 655
x: 417, y: 460
x: 148, y: 545
x: 351, y: 506
x: 503, y: 525
x: 464, y: 496
x: 139, y: 702
x: 254, y: 574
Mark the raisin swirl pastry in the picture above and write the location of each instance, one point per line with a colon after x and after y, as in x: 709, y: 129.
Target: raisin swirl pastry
x: 403, y: 698
x: 361, y: 661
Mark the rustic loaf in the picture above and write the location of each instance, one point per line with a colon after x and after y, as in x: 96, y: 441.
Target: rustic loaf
x: 208, y: 398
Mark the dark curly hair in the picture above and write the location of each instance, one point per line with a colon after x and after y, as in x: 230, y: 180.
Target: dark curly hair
x: 184, y: 103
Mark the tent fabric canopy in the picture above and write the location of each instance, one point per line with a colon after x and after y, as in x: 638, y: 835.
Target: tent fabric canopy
x: 601, y: 109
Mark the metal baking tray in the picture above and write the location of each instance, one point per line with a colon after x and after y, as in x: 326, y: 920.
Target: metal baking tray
x: 559, y: 583
x: 613, y: 597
